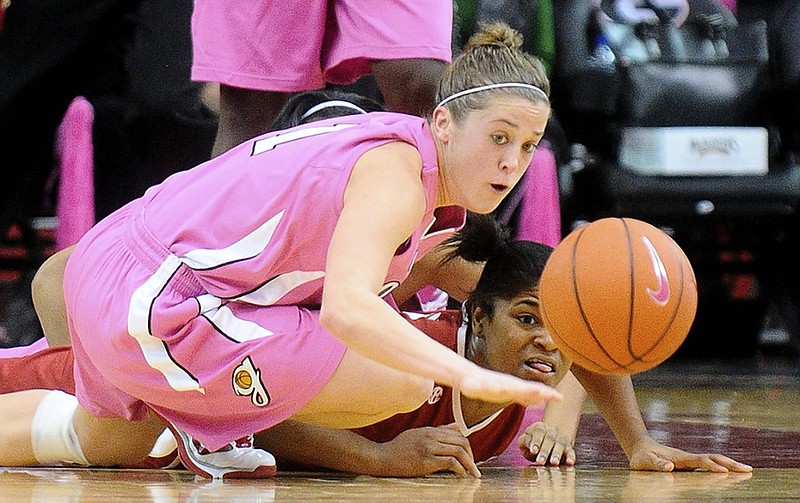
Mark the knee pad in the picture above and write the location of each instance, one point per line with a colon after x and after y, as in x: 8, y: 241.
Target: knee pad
x: 53, y: 436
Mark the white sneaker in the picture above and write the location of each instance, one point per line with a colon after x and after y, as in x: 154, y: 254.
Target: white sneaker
x: 237, y: 460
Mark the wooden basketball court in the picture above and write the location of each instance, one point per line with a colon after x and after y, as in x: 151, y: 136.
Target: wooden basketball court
x: 747, y: 410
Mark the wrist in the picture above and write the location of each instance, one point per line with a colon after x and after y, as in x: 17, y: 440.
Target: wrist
x: 641, y: 442
x: 375, y: 462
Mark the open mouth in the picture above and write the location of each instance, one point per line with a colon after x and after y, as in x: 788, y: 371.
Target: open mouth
x: 500, y: 188
x: 541, y: 366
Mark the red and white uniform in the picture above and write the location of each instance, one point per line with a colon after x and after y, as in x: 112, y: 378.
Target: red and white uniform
x: 293, y: 46
x: 199, y: 299
x: 488, y: 438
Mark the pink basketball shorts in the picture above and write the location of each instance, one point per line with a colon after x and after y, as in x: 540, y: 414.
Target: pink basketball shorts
x: 298, y: 46
x: 146, y: 335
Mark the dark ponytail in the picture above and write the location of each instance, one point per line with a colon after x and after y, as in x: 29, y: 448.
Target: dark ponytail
x: 512, y: 267
x: 481, y: 238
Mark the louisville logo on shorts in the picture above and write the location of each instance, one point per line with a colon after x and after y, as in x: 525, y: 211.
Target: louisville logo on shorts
x: 247, y: 382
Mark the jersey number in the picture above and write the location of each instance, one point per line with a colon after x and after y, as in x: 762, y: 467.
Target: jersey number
x: 270, y: 143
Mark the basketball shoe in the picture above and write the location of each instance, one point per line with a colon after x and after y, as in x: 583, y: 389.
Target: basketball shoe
x: 237, y: 460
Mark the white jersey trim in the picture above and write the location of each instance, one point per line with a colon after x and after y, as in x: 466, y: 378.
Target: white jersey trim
x: 235, y: 328
x: 457, y: 412
x: 248, y: 247
x: 154, y: 350
x: 274, y: 290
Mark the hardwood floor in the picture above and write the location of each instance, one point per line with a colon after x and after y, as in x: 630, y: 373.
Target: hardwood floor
x: 749, y: 410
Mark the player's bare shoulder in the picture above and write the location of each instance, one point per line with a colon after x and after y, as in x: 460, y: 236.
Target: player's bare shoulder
x: 395, y: 155
x: 395, y: 167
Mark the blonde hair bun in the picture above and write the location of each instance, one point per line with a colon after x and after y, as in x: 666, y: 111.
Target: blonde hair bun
x: 497, y: 34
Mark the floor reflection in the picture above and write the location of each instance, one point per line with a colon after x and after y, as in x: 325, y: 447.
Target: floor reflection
x: 513, y: 485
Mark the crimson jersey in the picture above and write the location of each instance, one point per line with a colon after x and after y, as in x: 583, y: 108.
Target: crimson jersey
x: 488, y: 438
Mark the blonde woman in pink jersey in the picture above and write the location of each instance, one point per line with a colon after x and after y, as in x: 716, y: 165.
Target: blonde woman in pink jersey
x: 252, y: 288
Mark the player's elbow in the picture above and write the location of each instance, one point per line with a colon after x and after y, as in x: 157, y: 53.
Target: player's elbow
x: 338, y: 318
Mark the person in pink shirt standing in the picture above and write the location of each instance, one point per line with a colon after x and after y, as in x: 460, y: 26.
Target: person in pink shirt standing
x: 251, y: 288
x: 257, y: 54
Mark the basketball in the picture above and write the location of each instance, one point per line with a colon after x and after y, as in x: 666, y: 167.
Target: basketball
x: 618, y: 296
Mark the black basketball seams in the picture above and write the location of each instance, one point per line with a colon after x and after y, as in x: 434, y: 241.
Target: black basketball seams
x: 673, y: 315
x: 578, y: 301
x: 678, y: 304
x: 590, y: 301
x: 631, y: 289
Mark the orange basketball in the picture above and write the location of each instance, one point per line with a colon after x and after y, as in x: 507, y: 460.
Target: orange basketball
x: 618, y: 296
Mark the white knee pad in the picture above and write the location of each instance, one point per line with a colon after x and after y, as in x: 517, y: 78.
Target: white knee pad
x: 53, y: 436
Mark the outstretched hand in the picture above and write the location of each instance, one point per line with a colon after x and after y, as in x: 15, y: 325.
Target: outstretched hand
x: 497, y: 387
x: 656, y: 457
x: 544, y: 445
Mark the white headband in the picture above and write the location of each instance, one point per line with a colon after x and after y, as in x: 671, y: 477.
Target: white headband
x: 331, y: 104
x: 492, y: 86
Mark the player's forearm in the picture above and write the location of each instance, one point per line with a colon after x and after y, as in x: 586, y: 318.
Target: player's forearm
x: 614, y: 397
x: 317, y: 446
x: 368, y: 325
x: 457, y: 277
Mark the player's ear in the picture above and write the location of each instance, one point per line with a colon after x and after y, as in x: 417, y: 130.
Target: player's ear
x: 478, y: 320
x: 440, y: 124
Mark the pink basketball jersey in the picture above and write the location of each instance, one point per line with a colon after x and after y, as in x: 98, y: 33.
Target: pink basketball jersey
x: 187, y: 300
x: 254, y: 223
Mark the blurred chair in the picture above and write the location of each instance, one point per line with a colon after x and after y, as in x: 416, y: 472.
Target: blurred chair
x: 734, y: 227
